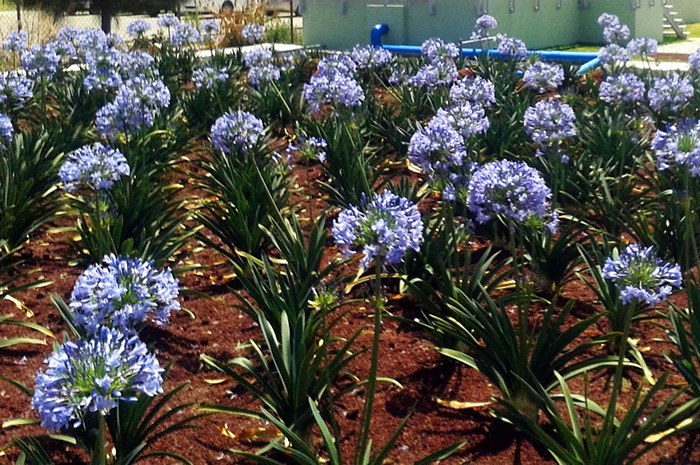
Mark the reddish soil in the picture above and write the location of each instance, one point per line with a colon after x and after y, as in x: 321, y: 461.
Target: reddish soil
x: 219, y: 329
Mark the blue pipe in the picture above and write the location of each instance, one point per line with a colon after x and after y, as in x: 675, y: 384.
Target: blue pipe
x: 588, y: 60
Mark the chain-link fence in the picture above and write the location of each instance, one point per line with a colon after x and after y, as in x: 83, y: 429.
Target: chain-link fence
x: 42, y: 26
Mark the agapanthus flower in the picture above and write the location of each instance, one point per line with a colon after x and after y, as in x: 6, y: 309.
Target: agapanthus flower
x: 483, y: 25
x: 543, y: 77
x: 512, y: 190
x: 123, y: 293
x: 467, y: 119
x: 183, y: 36
x: 607, y: 20
x: 475, y: 90
x: 430, y: 76
x: 371, y: 58
x: 641, y: 277
x: 7, y: 131
x: 549, y: 122
x: 337, y: 64
x: 168, y: 21
x: 91, y: 376
x: 94, y: 166
x: 437, y: 148
x: 694, y: 61
x: 84, y: 41
x: 616, y: 33
x: 612, y: 54
x: 511, y: 48
x: 642, y: 47
x: 259, y: 75
x: 253, y: 33
x: 16, y: 42
x: 41, y: 61
x: 313, y: 148
x: 138, y: 28
x: 679, y: 145
x: 257, y: 57
x: 384, y: 228
x: 622, y: 88
x: 103, y: 69
x: 137, y: 104
x: 209, y: 29
x: 437, y: 50
x: 336, y: 91
x: 138, y: 63
x: 670, y: 92
x: 207, y: 77
x: 236, y: 132
x: 15, y: 89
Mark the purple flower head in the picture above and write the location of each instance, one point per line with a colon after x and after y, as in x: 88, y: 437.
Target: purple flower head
x: 103, y: 69
x: 607, y: 20
x: 694, y: 61
x: 549, y: 123
x: 475, y: 90
x: 337, y: 64
x: 679, y: 145
x: 622, y: 88
x: 6, y: 131
x: 670, y: 92
x: 168, y: 21
x: 431, y: 76
x: 206, y: 78
x: 384, y: 229
x: 437, y: 148
x: 41, y: 61
x: 257, y: 57
x: 138, y: 64
x: 611, y: 54
x: 641, y: 277
x: 467, y: 119
x: 253, y: 33
x: 15, y: 89
x: 514, y: 49
x: 92, y: 376
x: 542, y: 77
x: 371, y: 58
x: 184, y: 36
x: 616, y: 34
x: 483, y: 25
x: 437, y: 50
x: 209, y: 29
x: 313, y: 148
x: 137, y: 104
x: 642, y: 47
x: 259, y: 75
x: 96, y: 167
x: 122, y: 293
x: 512, y: 190
x: 138, y: 28
x: 16, y: 42
x: 336, y: 91
x: 236, y: 132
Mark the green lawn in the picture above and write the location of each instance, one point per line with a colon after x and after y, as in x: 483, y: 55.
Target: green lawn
x: 7, y: 5
x: 694, y: 30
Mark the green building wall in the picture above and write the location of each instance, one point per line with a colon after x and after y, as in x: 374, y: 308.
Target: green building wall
x: 340, y: 24
x: 689, y: 10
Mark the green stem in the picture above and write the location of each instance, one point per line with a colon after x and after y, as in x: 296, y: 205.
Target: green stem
x: 372, y: 377
x: 100, y: 451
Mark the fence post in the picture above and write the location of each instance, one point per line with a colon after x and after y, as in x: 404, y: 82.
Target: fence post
x: 18, y: 6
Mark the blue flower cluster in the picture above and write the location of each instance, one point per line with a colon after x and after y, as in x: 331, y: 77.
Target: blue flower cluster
x: 313, y: 148
x: 475, y: 90
x: 15, y: 89
x: 95, y: 167
x: 612, y: 54
x: 642, y: 47
x: 103, y: 69
x: 371, y: 58
x: 432, y: 75
x: 334, y: 84
x: 679, y: 145
x: 437, y: 50
x: 261, y: 68
x: 207, y: 77
x: 670, y: 92
x: 92, y: 376
x: 550, y: 122
x: 622, y: 88
x: 41, y: 61
x: 437, y: 148
x: 614, y: 32
x: 543, y: 77
x: 236, y: 133
x: 483, y: 25
x: 641, y: 277
x: 209, y: 30
x: 139, y: 101
x: 694, y: 61
x: 253, y: 33
x: 138, y: 28
x: 511, y: 48
x: 16, y: 42
x: 183, y: 36
x: 385, y: 229
x: 168, y: 21
x: 512, y: 190
x: 123, y: 293
x: 138, y: 64
x: 7, y: 131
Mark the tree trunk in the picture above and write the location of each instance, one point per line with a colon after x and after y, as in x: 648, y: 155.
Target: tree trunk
x: 107, y: 13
